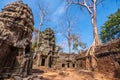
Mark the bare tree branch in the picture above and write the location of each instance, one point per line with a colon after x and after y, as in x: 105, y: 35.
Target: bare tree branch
x: 43, y: 13
x: 98, y: 2
x: 82, y: 3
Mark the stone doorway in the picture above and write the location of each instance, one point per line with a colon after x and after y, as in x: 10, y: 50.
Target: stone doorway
x: 119, y: 63
x: 68, y: 65
x: 43, y: 62
x: 63, y: 65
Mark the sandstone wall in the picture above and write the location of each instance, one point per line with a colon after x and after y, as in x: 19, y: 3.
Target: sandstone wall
x: 16, y: 26
x: 108, y: 58
x: 65, y: 60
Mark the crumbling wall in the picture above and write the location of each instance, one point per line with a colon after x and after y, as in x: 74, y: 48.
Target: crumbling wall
x: 106, y: 65
x: 16, y: 26
x: 65, y: 60
x: 108, y: 58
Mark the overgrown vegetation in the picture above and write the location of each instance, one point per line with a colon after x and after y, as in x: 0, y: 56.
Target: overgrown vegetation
x: 111, y: 28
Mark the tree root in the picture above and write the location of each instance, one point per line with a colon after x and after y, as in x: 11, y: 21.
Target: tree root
x: 91, y: 59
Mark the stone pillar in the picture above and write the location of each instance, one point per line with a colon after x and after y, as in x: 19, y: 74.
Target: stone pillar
x: 40, y: 60
x: 47, y: 61
x: 71, y: 65
x: 75, y: 65
x: 66, y: 65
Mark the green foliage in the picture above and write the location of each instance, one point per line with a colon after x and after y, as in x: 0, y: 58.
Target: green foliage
x: 78, y: 44
x: 111, y: 28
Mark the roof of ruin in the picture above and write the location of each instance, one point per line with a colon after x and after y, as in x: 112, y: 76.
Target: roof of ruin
x: 17, y: 14
x: 16, y: 24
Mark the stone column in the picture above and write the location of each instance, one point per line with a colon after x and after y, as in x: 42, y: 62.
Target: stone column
x: 71, y: 65
x: 47, y: 61
x: 66, y: 65
x: 40, y: 60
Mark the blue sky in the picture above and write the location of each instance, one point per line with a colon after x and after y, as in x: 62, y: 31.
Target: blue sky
x: 82, y: 25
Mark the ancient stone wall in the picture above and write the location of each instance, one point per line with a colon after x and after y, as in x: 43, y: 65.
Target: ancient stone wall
x: 108, y: 58
x: 65, y: 60
x: 16, y: 26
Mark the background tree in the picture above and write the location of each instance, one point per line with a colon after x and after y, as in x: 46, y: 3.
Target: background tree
x: 111, y: 28
x: 34, y: 39
x: 77, y: 44
x: 43, y: 12
x: 68, y: 28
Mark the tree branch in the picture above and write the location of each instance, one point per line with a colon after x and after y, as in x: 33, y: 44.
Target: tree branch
x: 84, y: 4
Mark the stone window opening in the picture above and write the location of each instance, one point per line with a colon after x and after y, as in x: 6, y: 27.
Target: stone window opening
x: 73, y: 65
x: 68, y: 65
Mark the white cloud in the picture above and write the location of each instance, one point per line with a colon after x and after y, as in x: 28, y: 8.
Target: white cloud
x: 58, y: 12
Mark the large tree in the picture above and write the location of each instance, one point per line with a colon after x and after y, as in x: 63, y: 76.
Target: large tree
x: 91, y: 6
x: 111, y: 28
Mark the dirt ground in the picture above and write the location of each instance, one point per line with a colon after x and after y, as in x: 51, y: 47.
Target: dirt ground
x: 67, y: 74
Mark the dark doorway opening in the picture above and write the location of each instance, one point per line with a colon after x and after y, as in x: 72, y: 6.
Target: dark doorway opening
x: 73, y: 65
x: 43, y: 62
x: 119, y: 63
x: 68, y: 65
x: 27, y: 49
x: 63, y: 65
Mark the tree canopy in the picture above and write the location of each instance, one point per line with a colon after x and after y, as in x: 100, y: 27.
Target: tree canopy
x: 111, y: 28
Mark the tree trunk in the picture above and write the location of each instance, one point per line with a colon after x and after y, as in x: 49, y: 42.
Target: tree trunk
x: 95, y: 28
x: 69, y: 46
x: 38, y: 45
x: 91, y: 51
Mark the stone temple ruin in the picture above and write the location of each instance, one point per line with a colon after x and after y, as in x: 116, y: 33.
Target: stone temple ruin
x: 16, y: 27
x: 49, y: 56
x: 47, y: 48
